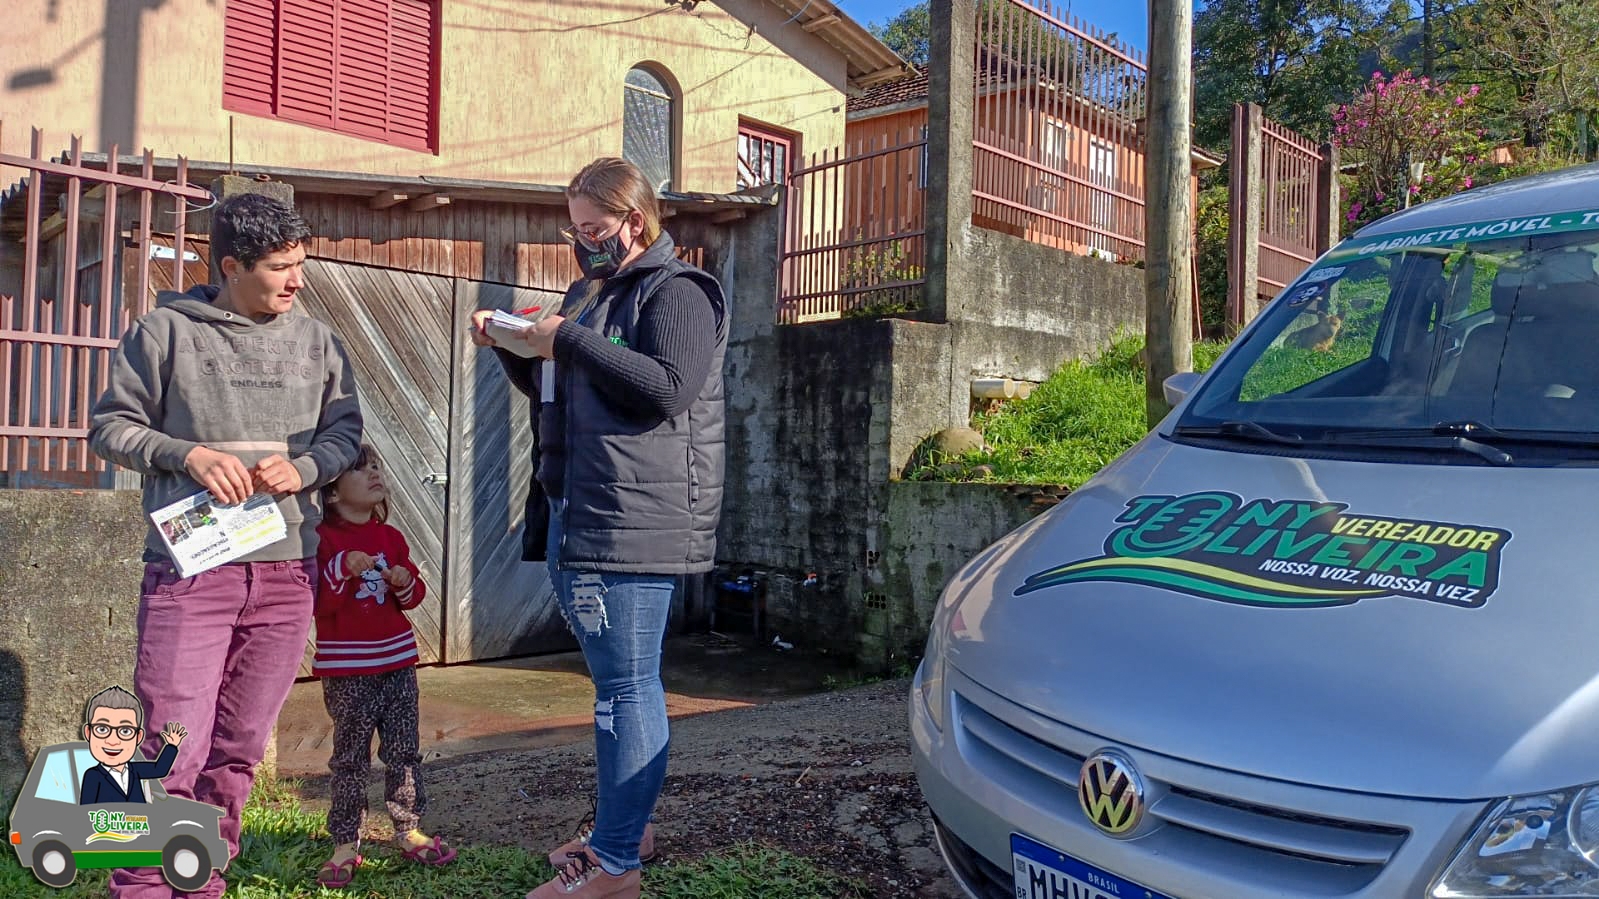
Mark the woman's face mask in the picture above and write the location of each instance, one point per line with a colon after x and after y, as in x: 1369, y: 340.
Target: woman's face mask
x: 598, y: 257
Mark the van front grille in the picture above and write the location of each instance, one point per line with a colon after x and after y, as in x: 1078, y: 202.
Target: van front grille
x: 1296, y: 842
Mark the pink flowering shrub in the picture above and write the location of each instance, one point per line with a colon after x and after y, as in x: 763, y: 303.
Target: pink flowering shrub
x: 1407, y: 119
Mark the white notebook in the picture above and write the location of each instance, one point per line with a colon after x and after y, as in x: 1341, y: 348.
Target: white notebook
x: 506, y: 329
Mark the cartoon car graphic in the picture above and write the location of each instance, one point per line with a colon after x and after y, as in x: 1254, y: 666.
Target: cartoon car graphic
x: 55, y: 836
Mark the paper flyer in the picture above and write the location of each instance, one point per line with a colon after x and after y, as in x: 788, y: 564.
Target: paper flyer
x: 201, y: 533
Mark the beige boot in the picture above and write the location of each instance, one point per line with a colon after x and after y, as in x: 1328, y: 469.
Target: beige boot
x: 583, y: 878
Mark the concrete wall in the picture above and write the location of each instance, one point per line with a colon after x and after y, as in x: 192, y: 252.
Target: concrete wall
x: 530, y: 91
x: 69, y: 594
x: 823, y: 417
x: 930, y: 530
x: 1024, y: 308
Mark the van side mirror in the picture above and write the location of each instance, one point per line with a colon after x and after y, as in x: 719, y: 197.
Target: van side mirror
x: 1179, y: 386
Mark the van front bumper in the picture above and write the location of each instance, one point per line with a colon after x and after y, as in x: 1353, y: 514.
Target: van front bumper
x: 997, y: 769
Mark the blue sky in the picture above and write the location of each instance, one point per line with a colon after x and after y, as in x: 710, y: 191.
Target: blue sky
x: 1129, y: 18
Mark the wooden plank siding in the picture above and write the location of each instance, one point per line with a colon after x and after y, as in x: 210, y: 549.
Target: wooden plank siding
x: 524, y: 243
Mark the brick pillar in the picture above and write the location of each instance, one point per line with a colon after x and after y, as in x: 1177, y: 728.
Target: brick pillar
x: 1243, y: 215
x: 949, y: 158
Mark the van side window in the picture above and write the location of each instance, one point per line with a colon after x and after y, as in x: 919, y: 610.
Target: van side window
x: 56, y: 782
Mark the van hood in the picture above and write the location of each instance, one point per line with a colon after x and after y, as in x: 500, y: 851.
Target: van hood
x: 1411, y: 630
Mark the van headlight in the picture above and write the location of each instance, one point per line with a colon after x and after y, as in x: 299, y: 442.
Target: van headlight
x: 930, y: 678
x: 1544, y: 845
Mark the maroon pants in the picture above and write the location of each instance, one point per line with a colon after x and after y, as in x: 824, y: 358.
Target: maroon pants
x: 217, y: 653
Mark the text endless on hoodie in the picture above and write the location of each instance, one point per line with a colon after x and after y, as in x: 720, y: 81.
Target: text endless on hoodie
x: 189, y: 374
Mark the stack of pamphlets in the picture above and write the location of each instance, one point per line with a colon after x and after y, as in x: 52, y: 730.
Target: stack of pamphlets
x: 505, y: 325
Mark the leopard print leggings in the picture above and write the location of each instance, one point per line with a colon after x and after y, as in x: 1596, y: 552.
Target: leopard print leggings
x: 360, y: 705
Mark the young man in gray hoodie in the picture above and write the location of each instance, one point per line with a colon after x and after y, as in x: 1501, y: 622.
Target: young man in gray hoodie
x: 227, y: 389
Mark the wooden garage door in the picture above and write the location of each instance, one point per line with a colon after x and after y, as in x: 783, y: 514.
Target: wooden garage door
x: 498, y: 605
x: 398, y: 329
x: 455, y: 438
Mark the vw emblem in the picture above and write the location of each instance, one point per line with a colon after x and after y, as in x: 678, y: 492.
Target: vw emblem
x: 1111, y: 792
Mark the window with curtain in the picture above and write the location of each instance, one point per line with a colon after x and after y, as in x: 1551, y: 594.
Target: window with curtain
x: 367, y: 68
x: 764, y: 156
x: 647, y: 126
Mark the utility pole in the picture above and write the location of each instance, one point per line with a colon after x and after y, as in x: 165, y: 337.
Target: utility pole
x: 1168, y: 210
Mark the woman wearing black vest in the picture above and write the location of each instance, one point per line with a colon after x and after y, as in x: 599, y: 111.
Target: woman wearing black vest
x: 627, y: 379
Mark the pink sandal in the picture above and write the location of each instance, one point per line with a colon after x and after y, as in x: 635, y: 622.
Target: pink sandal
x: 338, y: 875
x: 440, y: 853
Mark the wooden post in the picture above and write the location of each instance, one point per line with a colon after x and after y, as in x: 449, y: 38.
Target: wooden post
x: 1328, y: 224
x: 1243, y: 216
x: 1168, y: 215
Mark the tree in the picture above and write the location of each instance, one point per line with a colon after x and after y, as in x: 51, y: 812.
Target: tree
x: 1538, y: 63
x: 907, y: 34
x: 1296, y: 58
x: 1411, y: 140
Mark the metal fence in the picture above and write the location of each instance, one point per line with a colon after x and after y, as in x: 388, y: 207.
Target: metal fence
x: 1294, y: 182
x: 1058, y: 155
x: 855, y: 231
x: 80, y: 249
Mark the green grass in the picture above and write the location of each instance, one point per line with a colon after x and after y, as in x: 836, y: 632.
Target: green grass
x: 747, y: 871
x: 284, y: 845
x: 1070, y: 427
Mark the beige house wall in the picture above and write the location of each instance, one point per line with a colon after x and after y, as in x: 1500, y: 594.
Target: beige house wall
x: 530, y: 91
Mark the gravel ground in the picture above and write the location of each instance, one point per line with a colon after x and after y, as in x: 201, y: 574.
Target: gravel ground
x: 827, y: 777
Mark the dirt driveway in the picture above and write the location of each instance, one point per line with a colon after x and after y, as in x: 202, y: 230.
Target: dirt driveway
x: 825, y: 776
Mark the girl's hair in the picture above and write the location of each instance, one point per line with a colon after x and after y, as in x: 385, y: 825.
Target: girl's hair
x: 366, y: 454
x: 618, y: 187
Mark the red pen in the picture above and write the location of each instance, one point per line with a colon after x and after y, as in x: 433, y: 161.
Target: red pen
x: 529, y: 310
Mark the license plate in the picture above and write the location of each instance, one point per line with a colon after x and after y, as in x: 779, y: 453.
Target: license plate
x: 1045, y: 873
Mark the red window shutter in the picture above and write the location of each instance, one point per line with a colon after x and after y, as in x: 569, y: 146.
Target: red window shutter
x: 412, y: 25
x: 361, y: 104
x: 248, y: 59
x: 366, y: 68
x: 306, y: 73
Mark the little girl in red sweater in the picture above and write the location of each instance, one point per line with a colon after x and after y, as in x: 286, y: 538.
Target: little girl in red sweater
x: 366, y: 657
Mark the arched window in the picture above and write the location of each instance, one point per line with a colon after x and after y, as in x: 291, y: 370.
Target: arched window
x: 647, y: 126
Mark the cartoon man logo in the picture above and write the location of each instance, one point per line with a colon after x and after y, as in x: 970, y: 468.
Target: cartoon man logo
x: 113, y: 723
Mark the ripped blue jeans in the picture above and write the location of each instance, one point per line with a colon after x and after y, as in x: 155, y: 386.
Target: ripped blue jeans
x: 620, y: 620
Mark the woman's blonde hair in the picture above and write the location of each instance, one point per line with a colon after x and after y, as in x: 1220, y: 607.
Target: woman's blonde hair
x: 618, y: 187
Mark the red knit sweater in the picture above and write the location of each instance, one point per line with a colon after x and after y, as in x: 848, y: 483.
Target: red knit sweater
x: 360, y: 625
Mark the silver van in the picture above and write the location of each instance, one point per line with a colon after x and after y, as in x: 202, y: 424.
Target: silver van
x: 1328, y: 630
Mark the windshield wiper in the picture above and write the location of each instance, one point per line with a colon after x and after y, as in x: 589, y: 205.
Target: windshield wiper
x: 1492, y: 453
x: 1242, y: 430
x: 1470, y: 428
x: 1456, y: 431
x: 1487, y: 432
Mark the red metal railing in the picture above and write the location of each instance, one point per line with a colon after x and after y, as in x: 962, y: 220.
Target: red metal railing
x: 1290, y: 206
x: 1282, y: 208
x: 1057, y: 156
x: 855, y: 231
x: 84, y: 275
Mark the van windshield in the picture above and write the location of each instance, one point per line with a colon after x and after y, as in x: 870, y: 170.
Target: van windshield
x: 1486, y: 329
